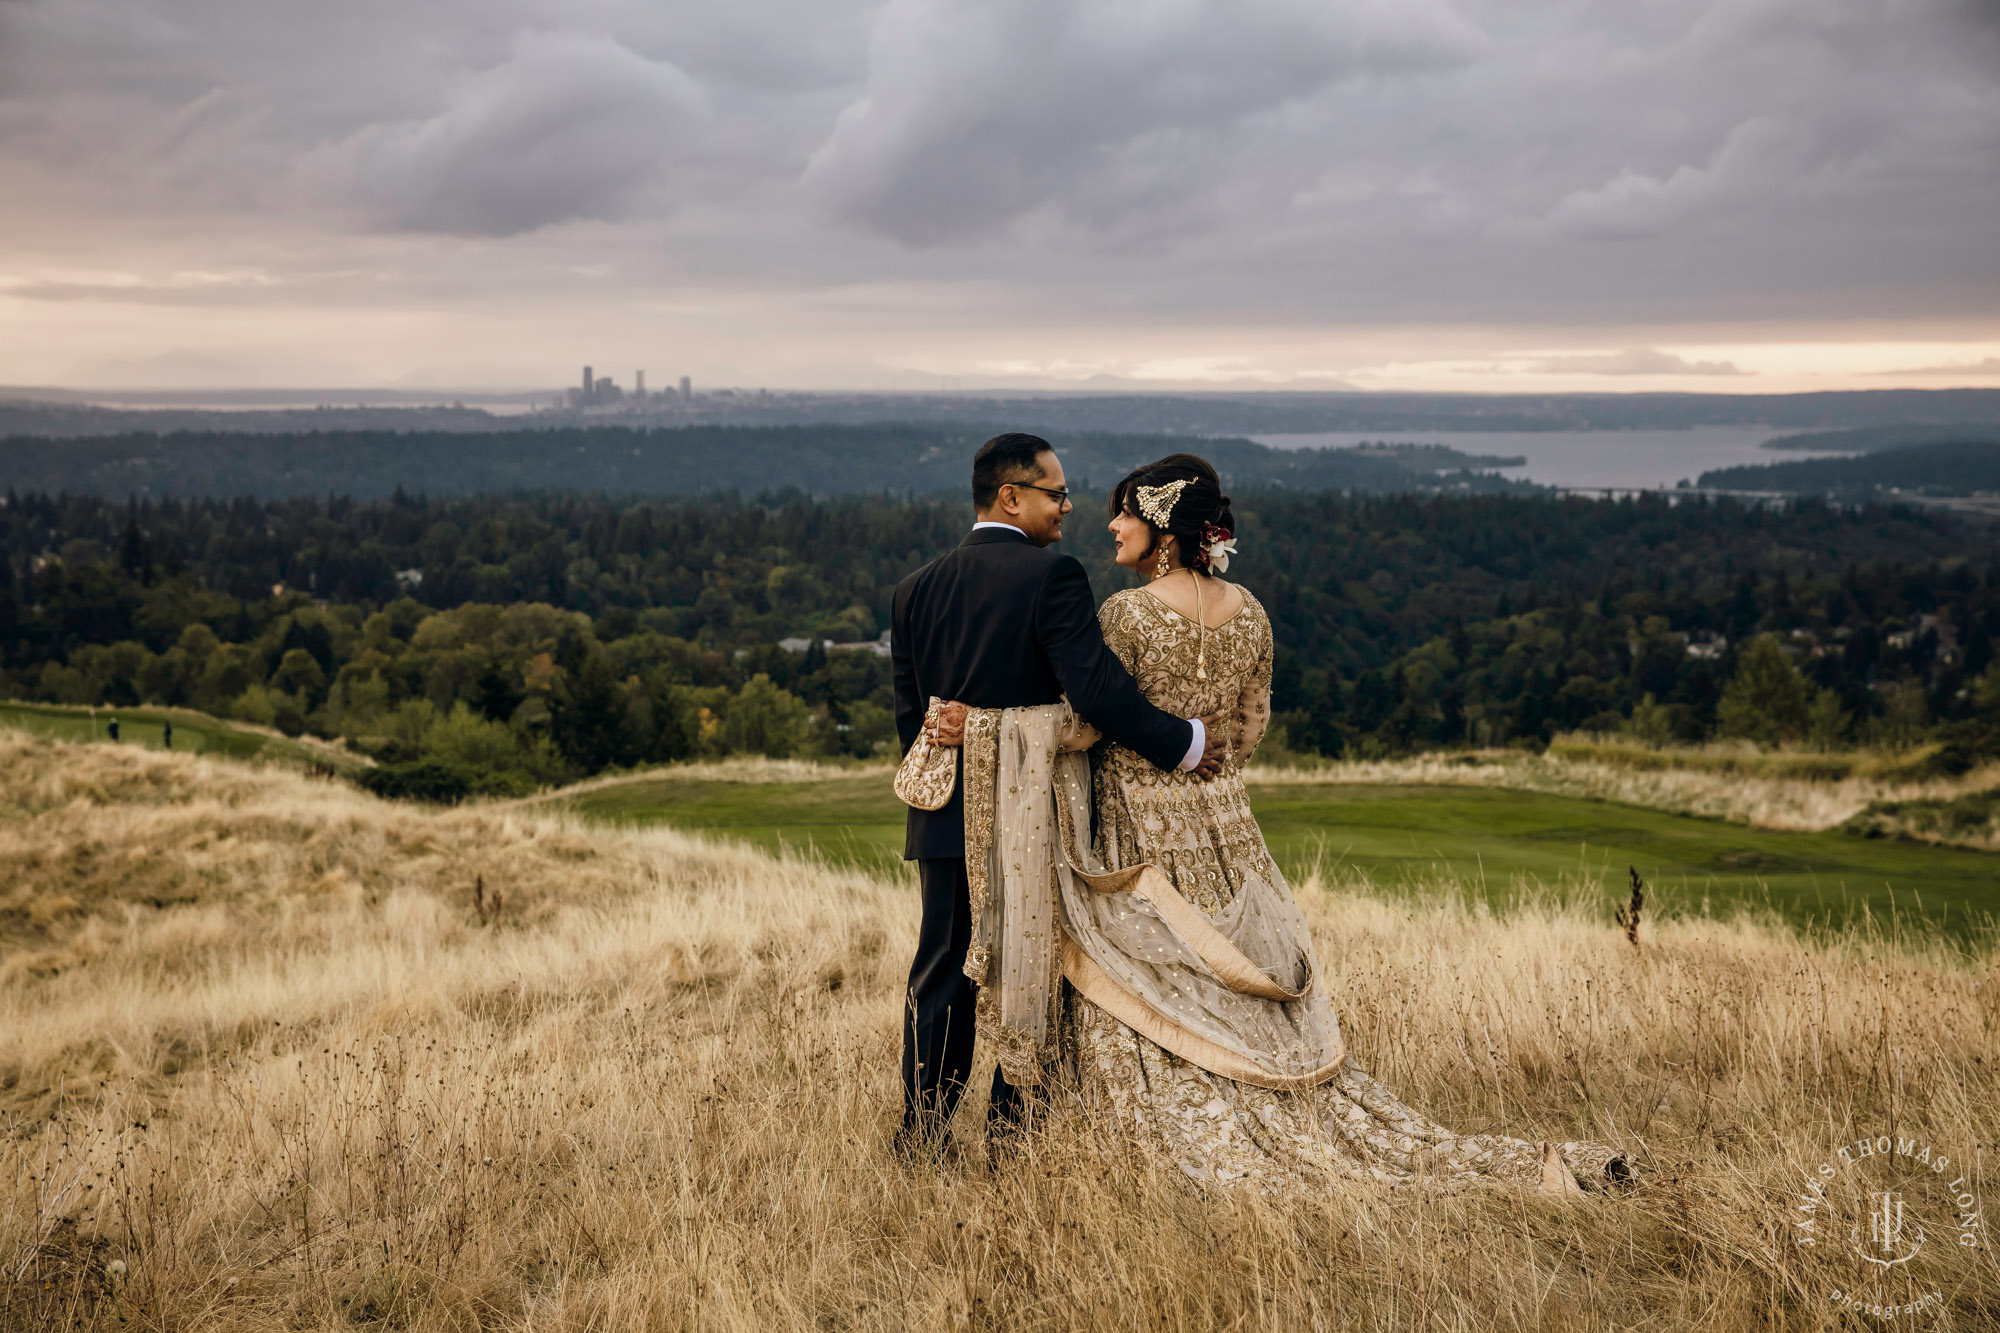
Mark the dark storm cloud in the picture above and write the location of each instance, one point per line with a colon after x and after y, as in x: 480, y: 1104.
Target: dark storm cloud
x: 569, y: 126
x: 1285, y: 161
x: 1464, y: 160
x: 976, y: 114
x: 456, y: 117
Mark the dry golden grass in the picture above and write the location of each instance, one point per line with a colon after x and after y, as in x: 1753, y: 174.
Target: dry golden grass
x: 264, y: 1064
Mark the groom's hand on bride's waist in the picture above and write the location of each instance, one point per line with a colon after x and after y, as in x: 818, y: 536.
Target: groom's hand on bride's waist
x: 949, y: 730
x: 1215, y: 746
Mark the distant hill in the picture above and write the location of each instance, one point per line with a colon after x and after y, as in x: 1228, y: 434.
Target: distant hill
x: 1963, y: 467
x: 47, y: 412
x: 1871, y: 439
x: 73, y: 420
x: 820, y: 460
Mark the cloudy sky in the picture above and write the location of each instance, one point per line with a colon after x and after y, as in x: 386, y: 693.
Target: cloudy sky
x: 1753, y: 195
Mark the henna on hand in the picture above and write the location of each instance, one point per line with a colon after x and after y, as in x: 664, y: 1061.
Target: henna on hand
x: 949, y: 729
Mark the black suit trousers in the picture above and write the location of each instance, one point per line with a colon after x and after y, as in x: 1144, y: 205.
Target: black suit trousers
x: 938, y: 1016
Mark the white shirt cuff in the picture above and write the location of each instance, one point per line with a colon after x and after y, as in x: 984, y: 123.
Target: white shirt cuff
x: 1200, y: 743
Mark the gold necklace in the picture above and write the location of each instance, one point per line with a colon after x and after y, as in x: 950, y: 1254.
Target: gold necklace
x: 1200, y: 632
x: 1200, y: 625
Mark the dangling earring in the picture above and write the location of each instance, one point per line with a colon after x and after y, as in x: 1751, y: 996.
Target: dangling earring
x: 1163, y: 566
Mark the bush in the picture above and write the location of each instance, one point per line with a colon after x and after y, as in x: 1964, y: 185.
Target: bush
x: 255, y: 705
x: 763, y: 719
x: 1950, y: 760
x: 1826, y: 722
x: 464, y: 739
x: 299, y: 674
x: 588, y: 717
x: 1959, y: 818
x: 1652, y: 722
x: 287, y: 717
x: 871, y: 729
x: 441, y: 781
x: 1905, y: 717
x: 1767, y: 699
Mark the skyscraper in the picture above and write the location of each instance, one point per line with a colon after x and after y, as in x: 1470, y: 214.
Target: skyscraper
x: 589, y: 387
x: 638, y: 384
x: 687, y: 390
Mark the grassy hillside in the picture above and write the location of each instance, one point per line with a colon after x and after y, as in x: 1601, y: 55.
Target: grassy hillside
x: 1783, y: 789
x: 193, y: 733
x: 267, y: 1062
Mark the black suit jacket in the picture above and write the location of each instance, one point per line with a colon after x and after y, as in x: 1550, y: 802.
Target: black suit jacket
x: 1003, y: 623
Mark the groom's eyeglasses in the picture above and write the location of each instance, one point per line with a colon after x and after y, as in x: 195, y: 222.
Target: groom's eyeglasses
x: 1062, y: 496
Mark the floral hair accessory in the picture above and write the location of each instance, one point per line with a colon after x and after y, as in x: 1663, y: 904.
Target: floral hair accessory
x: 1157, y: 502
x: 1217, y: 545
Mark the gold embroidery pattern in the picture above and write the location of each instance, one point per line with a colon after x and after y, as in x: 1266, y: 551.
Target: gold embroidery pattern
x: 1204, y: 836
x: 929, y: 773
x: 982, y: 744
x: 1015, y: 955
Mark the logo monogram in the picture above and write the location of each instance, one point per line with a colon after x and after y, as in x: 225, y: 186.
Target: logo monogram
x: 1885, y: 1229
x: 1885, y: 1191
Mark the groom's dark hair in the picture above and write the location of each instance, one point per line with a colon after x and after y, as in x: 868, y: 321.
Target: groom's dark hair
x: 1005, y: 458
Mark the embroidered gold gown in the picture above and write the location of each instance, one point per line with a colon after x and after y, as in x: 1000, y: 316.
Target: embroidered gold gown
x: 1203, y: 836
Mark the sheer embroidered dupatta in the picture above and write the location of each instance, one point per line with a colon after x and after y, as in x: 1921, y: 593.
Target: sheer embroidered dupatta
x: 1236, y: 994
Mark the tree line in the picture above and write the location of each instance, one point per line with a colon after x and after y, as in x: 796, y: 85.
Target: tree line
x: 899, y: 459
x: 487, y: 643
x: 1957, y: 467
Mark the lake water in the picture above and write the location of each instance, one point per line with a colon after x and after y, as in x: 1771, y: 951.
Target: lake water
x: 1611, y: 458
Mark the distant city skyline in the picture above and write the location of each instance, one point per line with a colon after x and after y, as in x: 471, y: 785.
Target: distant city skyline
x: 1442, y: 195
x: 604, y: 391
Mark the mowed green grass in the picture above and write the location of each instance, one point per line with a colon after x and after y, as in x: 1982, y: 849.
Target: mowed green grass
x: 1493, y: 838
x: 856, y: 821
x: 1490, y: 841
x: 196, y: 733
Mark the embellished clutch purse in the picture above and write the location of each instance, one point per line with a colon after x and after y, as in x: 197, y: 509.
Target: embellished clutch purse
x: 928, y: 773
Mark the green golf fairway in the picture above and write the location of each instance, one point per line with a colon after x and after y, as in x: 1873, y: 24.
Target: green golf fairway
x: 195, y: 733
x: 853, y: 821
x: 1488, y: 840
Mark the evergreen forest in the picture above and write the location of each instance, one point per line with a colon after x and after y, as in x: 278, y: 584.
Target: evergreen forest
x: 490, y: 644
x: 644, y: 461
x: 1944, y: 467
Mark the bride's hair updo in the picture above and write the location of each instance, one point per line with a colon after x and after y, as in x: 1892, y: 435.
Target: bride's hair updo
x: 1200, y: 511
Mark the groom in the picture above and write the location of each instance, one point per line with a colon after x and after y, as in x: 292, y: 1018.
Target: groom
x: 999, y: 622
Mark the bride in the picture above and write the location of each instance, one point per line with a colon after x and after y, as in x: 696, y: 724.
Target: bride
x: 1242, y: 1081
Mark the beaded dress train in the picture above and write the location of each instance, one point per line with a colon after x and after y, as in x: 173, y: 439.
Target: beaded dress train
x: 1204, y: 837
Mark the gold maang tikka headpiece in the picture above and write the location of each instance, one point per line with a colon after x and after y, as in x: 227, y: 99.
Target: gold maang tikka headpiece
x: 1157, y: 502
